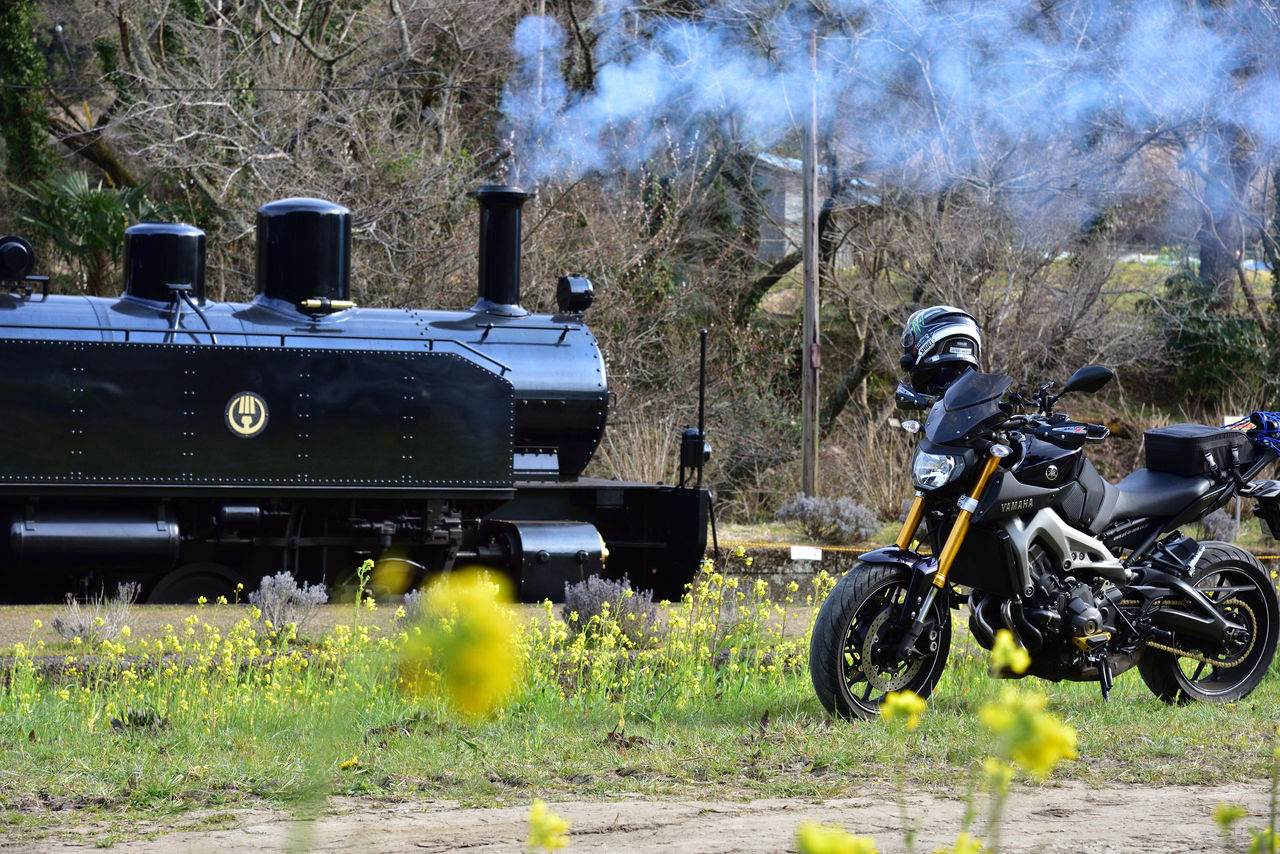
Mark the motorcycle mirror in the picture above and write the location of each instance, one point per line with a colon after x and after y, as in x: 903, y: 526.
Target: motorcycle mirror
x: 1088, y: 379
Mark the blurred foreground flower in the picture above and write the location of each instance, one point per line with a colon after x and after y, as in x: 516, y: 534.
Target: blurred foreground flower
x: 965, y: 844
x: 1006, y: 655
x: 1225, y: 815
x: 1030, y: 737
x: 1264, y: 841
x: 997, y: 774
x: 546, y: 829
x: 463, y: 647
x: 814, y: 838
x: 905, y: 706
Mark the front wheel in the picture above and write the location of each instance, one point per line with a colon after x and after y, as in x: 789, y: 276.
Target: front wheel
x: 853, y: 657
x: 1242, y: 591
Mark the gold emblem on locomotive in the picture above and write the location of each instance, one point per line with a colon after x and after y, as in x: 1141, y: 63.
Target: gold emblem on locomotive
x: 246, y: 414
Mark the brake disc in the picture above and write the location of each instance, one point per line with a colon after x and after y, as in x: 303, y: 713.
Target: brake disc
x: 885, y: 680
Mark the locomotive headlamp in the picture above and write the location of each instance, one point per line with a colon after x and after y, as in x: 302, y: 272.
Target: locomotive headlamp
x: 16, y: 259
x: 930, y: 471
x: 574, y: 294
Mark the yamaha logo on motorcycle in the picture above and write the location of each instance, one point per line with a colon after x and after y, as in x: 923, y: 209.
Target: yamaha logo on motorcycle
x: 1091, y: 578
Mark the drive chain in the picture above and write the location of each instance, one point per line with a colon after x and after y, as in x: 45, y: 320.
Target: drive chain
x: 1253, y: 636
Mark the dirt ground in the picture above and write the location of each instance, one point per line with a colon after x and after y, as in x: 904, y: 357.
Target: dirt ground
x: 1053, y: 819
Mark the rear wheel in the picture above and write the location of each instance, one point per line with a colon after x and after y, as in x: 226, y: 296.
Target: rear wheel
x: 1242, y: 591
x: 853, y: 657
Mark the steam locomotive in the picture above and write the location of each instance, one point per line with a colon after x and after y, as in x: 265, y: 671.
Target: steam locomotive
x: 194, y: 446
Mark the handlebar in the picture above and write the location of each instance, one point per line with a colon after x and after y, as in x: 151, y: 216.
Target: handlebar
x: 1068, y: 432
x: 1058, y: 429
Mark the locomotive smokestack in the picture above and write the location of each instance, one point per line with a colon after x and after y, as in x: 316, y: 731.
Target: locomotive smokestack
x: 500, y: 249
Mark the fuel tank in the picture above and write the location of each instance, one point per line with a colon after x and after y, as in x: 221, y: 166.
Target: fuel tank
x: 1047, y: 465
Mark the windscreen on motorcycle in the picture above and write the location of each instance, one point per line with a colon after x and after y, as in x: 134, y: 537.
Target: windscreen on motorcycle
x: 971, y: 405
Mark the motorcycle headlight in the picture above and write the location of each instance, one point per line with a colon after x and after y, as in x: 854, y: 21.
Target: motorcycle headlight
x: 931, y: 471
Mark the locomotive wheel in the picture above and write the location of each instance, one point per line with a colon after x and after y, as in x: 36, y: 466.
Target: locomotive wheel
x: 851, y: 653
x: 1233, y: 577
x: 186, y: 584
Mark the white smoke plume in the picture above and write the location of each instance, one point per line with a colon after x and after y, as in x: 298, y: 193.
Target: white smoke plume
x: 932, y: 90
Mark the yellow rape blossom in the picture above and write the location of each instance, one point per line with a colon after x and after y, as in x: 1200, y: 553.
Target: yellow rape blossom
x: 466, y: 649
x: 1029, y: 736
x: 547, y: 831
x: 905, y: 706
x: 965, y: 844
x: 1007, y: 655
x: 1225, y: 815
x: 1265, y: 841
x: 814, y: 838
x: 998, y: 774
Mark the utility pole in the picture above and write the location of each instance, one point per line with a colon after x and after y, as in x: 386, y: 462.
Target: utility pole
x: 812, y: 352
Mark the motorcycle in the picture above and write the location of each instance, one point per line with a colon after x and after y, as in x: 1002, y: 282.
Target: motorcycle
x: 1090, y: 578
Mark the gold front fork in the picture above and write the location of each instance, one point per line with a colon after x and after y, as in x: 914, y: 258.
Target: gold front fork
x: 955, y: 539
x: 968, y: 504
x: 914, y: 515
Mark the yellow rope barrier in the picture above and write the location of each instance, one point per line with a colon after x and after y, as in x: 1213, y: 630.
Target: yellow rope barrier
x: 789, y: 546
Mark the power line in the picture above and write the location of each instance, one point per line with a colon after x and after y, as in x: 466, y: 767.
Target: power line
x: 86, y: 90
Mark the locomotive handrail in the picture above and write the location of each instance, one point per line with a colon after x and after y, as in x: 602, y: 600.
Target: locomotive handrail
x: 283, y: 336
x: 564, y: 329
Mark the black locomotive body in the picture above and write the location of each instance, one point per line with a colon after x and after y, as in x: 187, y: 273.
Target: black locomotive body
x: 194, y: 446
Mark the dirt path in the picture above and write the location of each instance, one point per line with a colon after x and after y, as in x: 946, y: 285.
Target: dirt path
x: 1067, y: 818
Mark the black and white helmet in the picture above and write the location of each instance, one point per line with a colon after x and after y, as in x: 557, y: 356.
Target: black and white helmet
x: 939, y: 344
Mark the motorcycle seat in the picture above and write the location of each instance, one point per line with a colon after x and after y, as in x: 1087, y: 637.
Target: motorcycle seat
x: 1149, y: 493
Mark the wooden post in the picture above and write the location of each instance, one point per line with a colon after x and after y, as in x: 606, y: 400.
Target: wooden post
x: 812, y: 352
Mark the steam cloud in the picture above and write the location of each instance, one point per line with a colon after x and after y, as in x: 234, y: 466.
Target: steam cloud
x: 934, y: 90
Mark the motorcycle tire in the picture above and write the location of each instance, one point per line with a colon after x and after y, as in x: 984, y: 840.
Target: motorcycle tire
x: 851, y: 659
x: 1181, y: 679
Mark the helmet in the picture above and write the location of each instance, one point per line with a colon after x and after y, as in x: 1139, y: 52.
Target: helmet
x: 939, y: 344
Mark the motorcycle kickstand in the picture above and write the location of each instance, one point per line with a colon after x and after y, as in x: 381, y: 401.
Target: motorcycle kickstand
x: 1105, y: 678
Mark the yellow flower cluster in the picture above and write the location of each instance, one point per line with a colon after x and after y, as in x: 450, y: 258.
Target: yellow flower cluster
x: 1029, y: 736
x: 1007, y: 655
x: 722, y: 638
x: 904, y: 707
x: 814, y: 838
x: 464, y: 648
x: 1225, y: 815
x: 547, y: 831
x: 965, y: 844
x: 1265, y: 841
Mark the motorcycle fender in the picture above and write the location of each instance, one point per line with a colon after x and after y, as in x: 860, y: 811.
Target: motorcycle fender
x: 922, y: 568
x: 1266, y: 494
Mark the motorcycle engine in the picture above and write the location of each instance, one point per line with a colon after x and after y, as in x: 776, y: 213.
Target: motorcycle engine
x: 1069, y: 611
x: 1083, y: 617
x: 1060, y: 623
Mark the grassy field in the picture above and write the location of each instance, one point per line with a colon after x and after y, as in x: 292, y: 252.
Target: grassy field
x: 202, y: 710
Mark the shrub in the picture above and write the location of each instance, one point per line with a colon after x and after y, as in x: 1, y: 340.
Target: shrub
x: 840, y: 520
x: 100, y: 619
x: 1215, y: 356
x: 413, y: 608
x: 281, y: 602
x: 1220, y: 525
x: 599, y: 600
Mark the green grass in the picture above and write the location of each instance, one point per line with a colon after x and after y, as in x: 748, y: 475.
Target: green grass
x: 235, y: 727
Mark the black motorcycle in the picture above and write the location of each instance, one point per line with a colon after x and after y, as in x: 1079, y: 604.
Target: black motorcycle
x: 1090, y: 578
